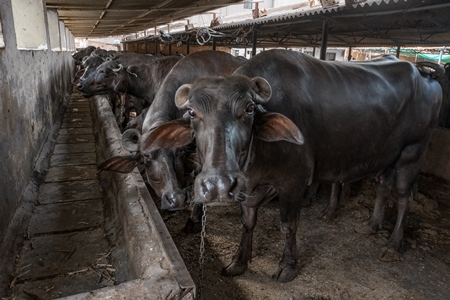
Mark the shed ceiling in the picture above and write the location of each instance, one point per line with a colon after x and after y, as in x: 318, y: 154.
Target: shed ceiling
x: 358, y: 23
x: 363, y: 23
x: 103, y: 18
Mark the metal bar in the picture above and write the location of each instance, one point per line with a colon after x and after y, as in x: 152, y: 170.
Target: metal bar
x: 323, y: 47
x: 254, y: 41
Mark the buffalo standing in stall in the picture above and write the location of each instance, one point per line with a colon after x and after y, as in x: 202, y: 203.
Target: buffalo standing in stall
x: 101, y: 81
x: 166, y: 168
x: 78, y: 55
x: 285, y: 119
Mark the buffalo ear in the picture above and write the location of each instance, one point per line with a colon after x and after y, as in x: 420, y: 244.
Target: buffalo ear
x: 121, y: 164
x: 182, y: 95
x: 262, y: 89
x: 272, y: 127
x: 173, y: 134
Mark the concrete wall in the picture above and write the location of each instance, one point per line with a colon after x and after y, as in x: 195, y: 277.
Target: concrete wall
x: 34, y: 85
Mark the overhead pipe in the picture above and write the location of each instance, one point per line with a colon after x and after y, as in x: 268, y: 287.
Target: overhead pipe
x: 441, y: 53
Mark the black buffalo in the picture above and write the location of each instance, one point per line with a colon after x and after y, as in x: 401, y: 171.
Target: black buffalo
x: 444, y: 115
x: 100, y: 80
x: 165, y: 168
x: 78, y: 55
x: 285, y: 119
x: 89, y: 65
x: 143, y: 80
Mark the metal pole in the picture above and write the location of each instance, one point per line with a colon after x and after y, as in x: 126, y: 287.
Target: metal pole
x: 349, y: 57
x: 254, y: 40
x: 398, y: 52
x: 187, y: 47
x: 214, y: 44
x: 440, y: 54
x: 323, y: 47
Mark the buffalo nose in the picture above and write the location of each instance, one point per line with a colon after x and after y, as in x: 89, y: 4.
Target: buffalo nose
x: 173, y: 201
x: 218, y: 188
x: 79, y: 86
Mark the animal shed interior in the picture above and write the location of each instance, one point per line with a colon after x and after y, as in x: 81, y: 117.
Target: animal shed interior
x: 336, y: 263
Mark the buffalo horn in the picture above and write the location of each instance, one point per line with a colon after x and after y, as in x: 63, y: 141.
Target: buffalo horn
x: 118, y: 70
x: 182, y: 95
x: 262, y: 89
x: 431, y: 68
x: 131, y: 139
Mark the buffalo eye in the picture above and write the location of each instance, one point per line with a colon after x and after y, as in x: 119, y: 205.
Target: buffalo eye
x: 155, y: 181
x: 191, y: 112
x: 250, y: 109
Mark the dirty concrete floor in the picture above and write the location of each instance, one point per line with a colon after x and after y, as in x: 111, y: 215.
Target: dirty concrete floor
x: 66, y: 250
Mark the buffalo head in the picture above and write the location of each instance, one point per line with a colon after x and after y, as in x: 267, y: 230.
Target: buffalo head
x: 225, y: 116
x: 100, y: 81
x: 164, y: 169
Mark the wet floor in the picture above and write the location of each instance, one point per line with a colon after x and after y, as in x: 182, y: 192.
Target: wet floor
x: 66, y: 250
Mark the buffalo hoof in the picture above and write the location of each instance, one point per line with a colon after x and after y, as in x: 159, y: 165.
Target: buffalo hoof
x: 365, y: 229
x: 234, y: 269
x: 192, y: 227
x: 285, y: 274
x: 327, y: 215
x: 390, y: 255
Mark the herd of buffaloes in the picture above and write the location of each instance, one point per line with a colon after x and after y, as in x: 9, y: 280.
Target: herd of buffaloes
x: 275, y: 125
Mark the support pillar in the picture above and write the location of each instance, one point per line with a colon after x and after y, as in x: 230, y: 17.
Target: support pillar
x: 254, y: 41
x: 323, y: 47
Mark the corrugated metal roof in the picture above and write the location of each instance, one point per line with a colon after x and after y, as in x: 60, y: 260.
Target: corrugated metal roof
x: 351, y: 23
x: 103, y: 18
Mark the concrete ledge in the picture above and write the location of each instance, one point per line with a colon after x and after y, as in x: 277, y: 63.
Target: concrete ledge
x: 148, y: 263
x: 437, y: 159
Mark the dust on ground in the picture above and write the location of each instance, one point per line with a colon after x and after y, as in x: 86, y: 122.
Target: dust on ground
x: 335, y: 262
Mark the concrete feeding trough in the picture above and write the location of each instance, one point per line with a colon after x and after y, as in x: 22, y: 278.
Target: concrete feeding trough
x: 148, y: 263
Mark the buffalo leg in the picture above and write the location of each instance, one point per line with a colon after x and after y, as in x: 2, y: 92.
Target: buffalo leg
x: 310, y: 193
x: 383, y: 187
x: 345, y: 193
x: 329, y: 213
x: 289, y: 215
x: 408, y: 168
x: 249, y: 211
x: 194, y: 222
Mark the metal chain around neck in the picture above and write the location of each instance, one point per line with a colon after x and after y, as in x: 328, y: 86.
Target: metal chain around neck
x: 202, y: 251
